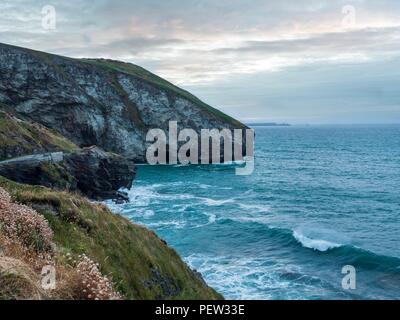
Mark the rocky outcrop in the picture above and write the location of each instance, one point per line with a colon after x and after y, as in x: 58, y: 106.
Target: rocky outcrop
x: 42, y: 157
x: 91, y: 171
x: 100, y: 174
x: 99, y: 102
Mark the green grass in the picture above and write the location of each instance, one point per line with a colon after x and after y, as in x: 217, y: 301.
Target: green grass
x: 126, y: 252
x: 19, y: 138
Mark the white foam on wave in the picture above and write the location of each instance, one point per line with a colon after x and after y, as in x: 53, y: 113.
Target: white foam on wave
x: 315, y: 244
x: 254, y: 207
x: 212, y: 218
x: 254, y: 219
x: 176, y: 224
x: 144, y: 195
x: 245, y: 278
x: 216, y: 203
x: 115, y: 208
x: 204, y: 186
x: 139, y: 213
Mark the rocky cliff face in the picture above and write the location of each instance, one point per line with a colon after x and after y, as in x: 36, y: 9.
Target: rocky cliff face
x: 91, y: 171
x: 98, y: 173
x: 31, y: 146
x: 95, y: 114
x: 99, y: 102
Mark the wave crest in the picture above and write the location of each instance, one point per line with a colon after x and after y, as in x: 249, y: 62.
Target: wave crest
x: 315, y: 244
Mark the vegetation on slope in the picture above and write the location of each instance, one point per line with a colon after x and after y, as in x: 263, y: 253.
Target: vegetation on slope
x: 26, y: 247
x: 140, y: 264
x: 18, y: 137
x: 17, y: 279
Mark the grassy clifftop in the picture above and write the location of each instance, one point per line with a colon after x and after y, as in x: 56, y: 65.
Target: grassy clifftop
x: 18, y: 137
x: 140, y: 264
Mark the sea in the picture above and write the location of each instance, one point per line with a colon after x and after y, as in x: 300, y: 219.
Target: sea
x: 318, y: 219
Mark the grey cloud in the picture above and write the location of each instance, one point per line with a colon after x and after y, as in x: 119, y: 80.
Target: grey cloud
x: 131, y: 46
x: 222, y: 50
x: 319, y: 93
x: 348, y: 41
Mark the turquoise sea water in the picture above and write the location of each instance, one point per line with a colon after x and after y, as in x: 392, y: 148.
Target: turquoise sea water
x: 320, y: 198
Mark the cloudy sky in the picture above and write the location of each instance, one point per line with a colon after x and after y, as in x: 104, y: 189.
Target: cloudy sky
x: 310, y: 61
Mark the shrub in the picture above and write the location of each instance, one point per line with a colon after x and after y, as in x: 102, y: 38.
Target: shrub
x: 23, y: 224
x: 89, y: 282
x: 25, y: 235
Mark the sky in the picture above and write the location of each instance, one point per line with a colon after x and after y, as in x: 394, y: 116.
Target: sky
x: 292, y: 61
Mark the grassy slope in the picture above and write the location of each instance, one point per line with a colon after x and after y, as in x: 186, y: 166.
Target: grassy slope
x: 125, y: 251
x: 21, y: 138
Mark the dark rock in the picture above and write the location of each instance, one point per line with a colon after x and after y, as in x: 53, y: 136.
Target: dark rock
x: 100, y: 174
x: 199, y: 276
x: 39, y: 170
x: 166, y: 285
x: 121, y: 197
x: 95, y: 173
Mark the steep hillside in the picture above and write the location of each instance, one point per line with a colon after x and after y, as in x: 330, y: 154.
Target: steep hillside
x: 140, y: 264
x: 18, y: 138
x: 99, y: 102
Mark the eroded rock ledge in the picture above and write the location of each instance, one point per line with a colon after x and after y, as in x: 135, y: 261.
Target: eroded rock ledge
x: 91, y: 171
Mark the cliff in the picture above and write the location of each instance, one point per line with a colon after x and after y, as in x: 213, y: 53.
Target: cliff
x: 99, y: 102
x: 33, y: 154
x: 78, y: 126
x: 138, y: 263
